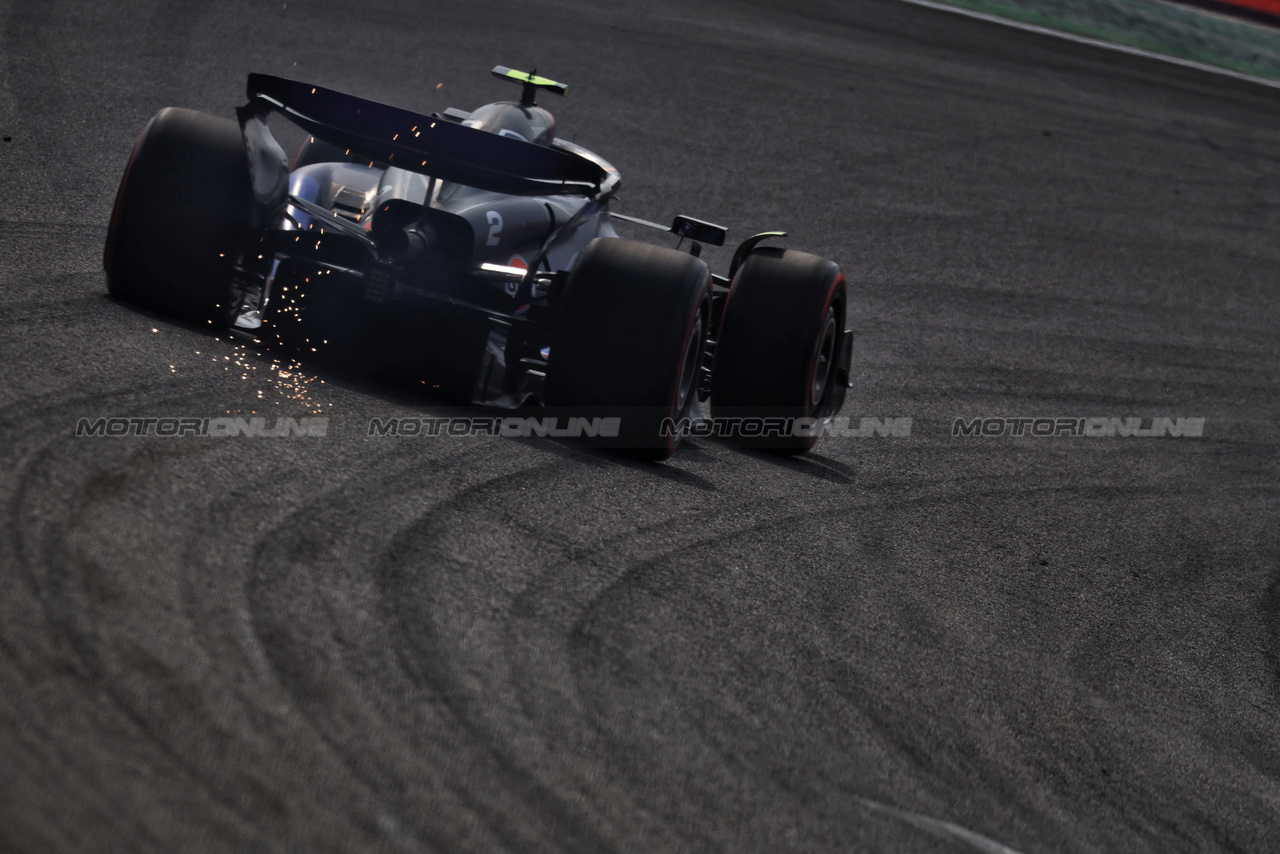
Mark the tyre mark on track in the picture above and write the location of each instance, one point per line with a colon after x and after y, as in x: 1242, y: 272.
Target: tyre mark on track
x: 421, y: 648
x: 655, y: 580
x: 415, y: 545
x: 419, y: 633
x: 653, y: 575
x: 290, y: 548
x: 77, y: 600
x: 54, y: 576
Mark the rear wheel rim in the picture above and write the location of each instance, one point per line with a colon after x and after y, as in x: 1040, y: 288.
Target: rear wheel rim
x: 688, y: 375
x: 824, y: 358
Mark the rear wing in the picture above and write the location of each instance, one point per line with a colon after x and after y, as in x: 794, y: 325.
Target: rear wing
x: 430, y: 145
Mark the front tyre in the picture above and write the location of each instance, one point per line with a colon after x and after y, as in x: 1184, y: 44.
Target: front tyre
x: 180, y: 217
x: 628, y: 342
x: 780, y: 359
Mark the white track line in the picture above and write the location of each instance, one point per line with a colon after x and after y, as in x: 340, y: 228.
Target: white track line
x: 1059, y: 34
x: 939, y: 828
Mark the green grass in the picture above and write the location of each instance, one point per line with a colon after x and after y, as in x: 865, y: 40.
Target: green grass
x: 1153, y: 25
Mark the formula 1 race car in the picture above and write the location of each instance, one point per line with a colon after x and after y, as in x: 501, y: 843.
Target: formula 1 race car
x: 476, y: 250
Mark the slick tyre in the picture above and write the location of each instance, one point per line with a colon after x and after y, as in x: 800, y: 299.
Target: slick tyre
x: 777, y: 357
x: 180, y: 216
x: 629, y: 342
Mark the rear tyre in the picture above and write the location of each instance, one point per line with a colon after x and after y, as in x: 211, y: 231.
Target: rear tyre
x: 779, y: 349
x: 180, y: 216
x: 628, y: 341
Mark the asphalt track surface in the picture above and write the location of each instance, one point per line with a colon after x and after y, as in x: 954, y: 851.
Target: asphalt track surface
x: 929, y: 643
